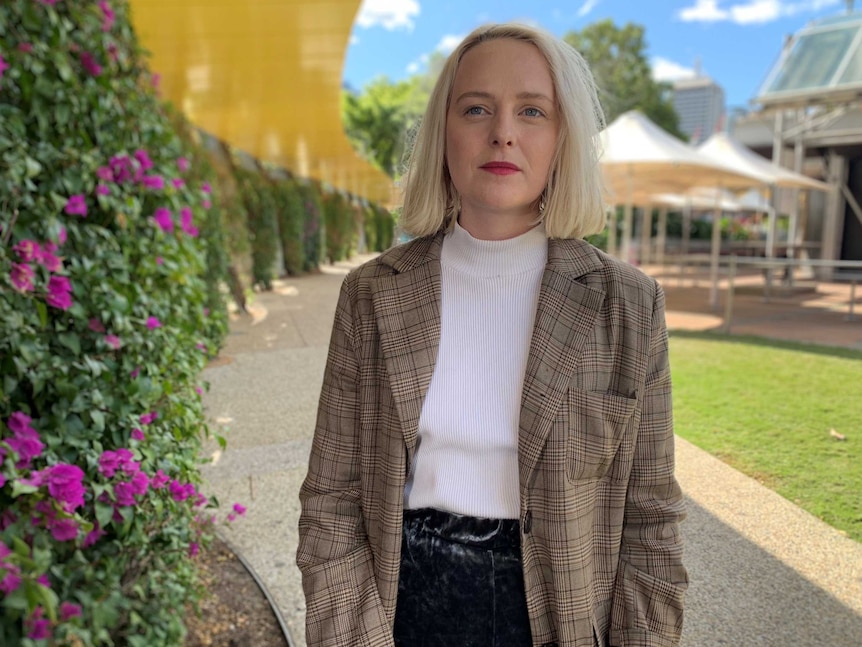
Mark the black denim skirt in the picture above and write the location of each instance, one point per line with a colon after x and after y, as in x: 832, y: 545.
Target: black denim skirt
x: 461, y: 582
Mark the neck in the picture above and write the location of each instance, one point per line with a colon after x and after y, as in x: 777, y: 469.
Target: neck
x: 496, y: 226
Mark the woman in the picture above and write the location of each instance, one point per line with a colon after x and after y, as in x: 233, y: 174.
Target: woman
x: 493, y: 457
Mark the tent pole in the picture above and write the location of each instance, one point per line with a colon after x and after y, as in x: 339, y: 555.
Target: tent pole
x: 773, y: 223
x: 627, y: 232
x: 715, y: 252
x: 661, y: 242
x: 646, y: 234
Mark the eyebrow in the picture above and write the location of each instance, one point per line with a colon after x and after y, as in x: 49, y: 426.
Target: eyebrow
x: 475, y: 94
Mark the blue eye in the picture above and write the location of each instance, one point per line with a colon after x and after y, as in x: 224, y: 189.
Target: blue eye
x: 533, y: 112
x: 475, y: 110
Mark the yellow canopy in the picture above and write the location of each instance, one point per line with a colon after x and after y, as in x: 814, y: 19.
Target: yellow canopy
x: 265, y: 76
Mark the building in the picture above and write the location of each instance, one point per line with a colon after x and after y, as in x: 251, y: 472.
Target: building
x: 699, y: 102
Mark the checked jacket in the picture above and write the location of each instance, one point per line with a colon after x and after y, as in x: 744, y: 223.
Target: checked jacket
x: 600, y: 507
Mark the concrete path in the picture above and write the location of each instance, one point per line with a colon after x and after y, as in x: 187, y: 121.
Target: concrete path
x: 764, y: 572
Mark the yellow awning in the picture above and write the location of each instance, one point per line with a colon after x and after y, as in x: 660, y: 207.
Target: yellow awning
x: 264, y: 76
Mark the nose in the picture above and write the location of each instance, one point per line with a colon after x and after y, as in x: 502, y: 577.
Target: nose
x: 502, y: 130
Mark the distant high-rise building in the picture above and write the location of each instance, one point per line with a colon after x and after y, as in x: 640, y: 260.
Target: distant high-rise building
x: 699, y: 102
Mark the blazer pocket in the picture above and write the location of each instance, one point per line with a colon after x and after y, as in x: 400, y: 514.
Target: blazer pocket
x: 596, y: 425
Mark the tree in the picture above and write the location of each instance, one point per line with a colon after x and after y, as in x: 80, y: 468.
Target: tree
x: 379, y: 120
x: 618, y: 60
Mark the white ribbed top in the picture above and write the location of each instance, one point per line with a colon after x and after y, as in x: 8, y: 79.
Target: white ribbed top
x: 467, y: 458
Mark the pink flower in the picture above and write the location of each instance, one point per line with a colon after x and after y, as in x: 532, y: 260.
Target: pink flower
x: 25, y: 48
x: 124, y: 493
x: 69, y: 610
x: 201, y: 347
x: 186, y: 222
x: 27, y: 446
x: 59, y: 290
x: 44, y: 581
x: 156, y: 80
x: 239, y: 509
x: 95, y: 325
x: 109, y: 463
x: 148, y: 418
x: 159, y: 260
x: 19, y: 423
x: 3, y: 66
x: 135, y: 372
x: 140, y: 483
x: 4, y: 553
x: 36, y: 479
x: 159, y: 480
x: 199, y: 390
x: 143, y: 159
x: 109, y: 15
x: 153, y: 323
x: 103, y: 189
x: 163, y: 219
x: 93, y: 536
x: 90, y: 64
x: 27, y: 250
x: 37, y: 626
x: 193, y: 549
x: 206, y: 188
x: 178, y: 182
x: 61, y: 237
x: 47, y: 510
x: 200, y: 500
x: 76, y: 205
x: 121, y: 166
x: 10, y: 582
x: 65, y: 484
x: 105, y: 173
x: 113, y: 341
x: 180, y: 491
x: 231, y: 517
x: 47, y: 259
x: 22, y: 277
x: 153, y: 182
x: 206, y: 204
x: 64, y: 529
x: 138, y: 435
x: 182, y: 164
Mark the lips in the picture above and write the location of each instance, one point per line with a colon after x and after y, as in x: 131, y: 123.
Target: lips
x: 500, y: 168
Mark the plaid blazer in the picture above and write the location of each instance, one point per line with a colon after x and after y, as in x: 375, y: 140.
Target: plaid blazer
x: 600, y: 506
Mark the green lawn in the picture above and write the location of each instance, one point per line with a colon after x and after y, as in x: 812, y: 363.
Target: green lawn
x: 767, y: 407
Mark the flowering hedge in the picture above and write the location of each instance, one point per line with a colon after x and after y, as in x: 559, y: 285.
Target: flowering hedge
x: 106, y: 321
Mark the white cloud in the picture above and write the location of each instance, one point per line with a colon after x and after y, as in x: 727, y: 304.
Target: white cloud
x: 666, y: 70
x: 389, y: 14
x: 354, y: 40
x: 751, y: 12
x: 448, y: 43
x: 414, y: 66
x: 587, y: 7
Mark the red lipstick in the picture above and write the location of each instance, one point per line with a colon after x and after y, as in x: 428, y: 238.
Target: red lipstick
x: 500, y: 168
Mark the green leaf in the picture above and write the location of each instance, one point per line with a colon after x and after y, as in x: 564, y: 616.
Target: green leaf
x: 42, y: 309
x: 222, y: 441
x: 98, y: 419
x: 104, y: 513
x: 19, y: 488
x: 70, y: 341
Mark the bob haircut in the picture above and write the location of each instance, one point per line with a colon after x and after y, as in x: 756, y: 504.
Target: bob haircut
x: 573, y: 196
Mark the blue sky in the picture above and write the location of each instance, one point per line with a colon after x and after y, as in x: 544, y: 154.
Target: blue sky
x: 735, y: 42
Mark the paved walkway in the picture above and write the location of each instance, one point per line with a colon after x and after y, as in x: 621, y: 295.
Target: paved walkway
x: 764, y: 572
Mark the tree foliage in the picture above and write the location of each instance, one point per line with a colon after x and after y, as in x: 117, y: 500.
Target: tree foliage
x: 617, y: 57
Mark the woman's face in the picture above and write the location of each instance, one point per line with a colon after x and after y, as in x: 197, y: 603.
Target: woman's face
x: 501, y: 133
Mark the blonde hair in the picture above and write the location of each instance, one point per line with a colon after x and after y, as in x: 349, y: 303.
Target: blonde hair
x: 573, y: 202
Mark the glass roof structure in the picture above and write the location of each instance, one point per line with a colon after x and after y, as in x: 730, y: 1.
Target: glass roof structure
x: 822, y: 63
x: 265, y: 76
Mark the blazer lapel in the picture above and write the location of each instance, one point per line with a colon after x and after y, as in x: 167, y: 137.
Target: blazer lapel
x: 407, y: 309
x: 565, y: 318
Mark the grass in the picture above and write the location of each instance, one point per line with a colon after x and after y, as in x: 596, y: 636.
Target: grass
x: 767, y: 407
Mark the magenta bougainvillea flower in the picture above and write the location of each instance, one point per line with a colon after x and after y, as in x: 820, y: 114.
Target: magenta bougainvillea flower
x: 21, y: 276
x: 124, y: 493
x: 103, y: 189
x: 135, y: 372
x: 178, y: 182
x: 48, y: 259
x: 194, y: 549
x: 121, y: 167
x: 240, y: 509
x: 163, y: 219
x: 148, y: 418
x: 138, y: 435
x: 90, y: 64
x: 65, y: 484
x: 95, y: 325
x: 153, y: 323
x: 63, y: 529
x: 3, y: 67
x: 187, y: 222
x: 25, y: 48
x: 11, y: 581
x: 182, y: 164
x: 27, y: 250
x: 61, y: 237
x: 206, y: 204
x: 109, y: 15
x: 156, y: 182
x: 26, y: 442
x: 181, y: 491
x: 105, y: 173
x: 69, y: 610
x: 140, y: 483
x: 159, y: 480
x: 144, y: 159
x: 156, y: 80
x: 76, y: 205
x: 206, y: 188
x: 59, y: 292
x: 38, y: 628
x: 93, y: 536
x: 109, y: 463
x: 113, y: 341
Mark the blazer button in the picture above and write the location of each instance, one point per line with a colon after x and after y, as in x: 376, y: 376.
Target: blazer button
x: 528, y: 522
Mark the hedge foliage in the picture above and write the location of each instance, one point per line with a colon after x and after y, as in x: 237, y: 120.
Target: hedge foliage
x: 107, y: 244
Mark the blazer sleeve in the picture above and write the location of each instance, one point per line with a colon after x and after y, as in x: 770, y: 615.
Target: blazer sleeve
x: 651, y: 579
x: 343, y: 605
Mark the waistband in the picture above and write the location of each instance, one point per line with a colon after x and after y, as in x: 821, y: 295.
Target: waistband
x: 463, y: 529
